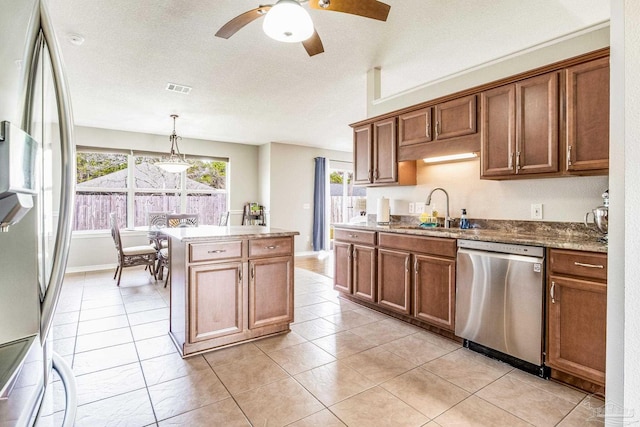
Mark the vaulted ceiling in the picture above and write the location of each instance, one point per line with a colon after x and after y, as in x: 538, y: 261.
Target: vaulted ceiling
x: 252, y: 89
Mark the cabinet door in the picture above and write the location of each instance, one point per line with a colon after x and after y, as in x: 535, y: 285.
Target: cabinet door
x: 270, y: 291
x: 498, y: 131
x: 435, y: 290
x: 342, y: 267
x: 215, y: 300
x: 362, y: 155
x: 537, y: 124
x: 414, y: 127
x: 577, y: 314
x: 394, y: 280
x: 385, y: 151
x: 364, y: 272
x: 587, y: 101
x: 456, y: 118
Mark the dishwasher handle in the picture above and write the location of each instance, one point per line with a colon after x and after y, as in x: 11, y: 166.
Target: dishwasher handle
x: 500, y: 255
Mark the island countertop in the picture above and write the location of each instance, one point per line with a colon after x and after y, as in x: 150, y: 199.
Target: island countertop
x: 212, y: 232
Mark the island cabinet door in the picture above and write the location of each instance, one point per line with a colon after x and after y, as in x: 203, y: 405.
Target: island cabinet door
x: 435, y: 290
x: 215, y: 301
x: 394, y: 280
x: 270, y: 291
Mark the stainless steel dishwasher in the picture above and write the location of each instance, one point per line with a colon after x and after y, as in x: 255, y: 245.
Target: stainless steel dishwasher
x: 499, y: 301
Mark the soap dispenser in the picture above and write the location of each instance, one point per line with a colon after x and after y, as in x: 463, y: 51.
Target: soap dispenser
x: 464, y: 222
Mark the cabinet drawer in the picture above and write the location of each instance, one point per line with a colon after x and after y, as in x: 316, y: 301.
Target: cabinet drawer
x: 427, y: 245
x: 356, y: 236
x: 213, y: 251
x: 591, y: 265
x: 270, y: 247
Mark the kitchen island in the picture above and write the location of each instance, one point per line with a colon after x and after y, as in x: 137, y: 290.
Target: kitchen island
x: 229, y: 285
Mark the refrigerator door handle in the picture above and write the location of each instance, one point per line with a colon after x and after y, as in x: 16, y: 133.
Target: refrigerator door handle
x: 69, y: 383
x: 67, y: 181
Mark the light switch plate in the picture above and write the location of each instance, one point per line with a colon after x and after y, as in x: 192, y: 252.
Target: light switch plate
x: 419, y: 207
x: 536, y: 211
x: 412, y: 207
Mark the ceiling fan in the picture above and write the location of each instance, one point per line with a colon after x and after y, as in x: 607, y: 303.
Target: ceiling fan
x: 288, y: 21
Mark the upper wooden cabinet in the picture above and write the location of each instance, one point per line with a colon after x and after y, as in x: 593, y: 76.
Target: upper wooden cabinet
x: 520, y: 128
x: 385, y: 152
x: 587, y: 112
x: 455, y: 118
x: 375, y: 154
x: 452, y: 119
x: 415, y: 127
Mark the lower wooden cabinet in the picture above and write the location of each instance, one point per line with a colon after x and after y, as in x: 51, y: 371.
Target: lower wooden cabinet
x: 577, y: 314
x: 394, y: 280
x: 435, y: 290
x: 355, y: 264
x: 270, y: 291
x: 215, y: 300
x: 577, y: 328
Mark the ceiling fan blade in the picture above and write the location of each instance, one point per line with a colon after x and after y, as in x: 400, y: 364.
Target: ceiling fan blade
x: 313, y: 44
x: 233, y: 26
x: 368, y: 8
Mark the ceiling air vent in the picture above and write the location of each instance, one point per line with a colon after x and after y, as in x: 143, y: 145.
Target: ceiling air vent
x: 173, y: 87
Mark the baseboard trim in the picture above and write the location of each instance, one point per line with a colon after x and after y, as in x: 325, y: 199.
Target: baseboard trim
x: 87, y: 268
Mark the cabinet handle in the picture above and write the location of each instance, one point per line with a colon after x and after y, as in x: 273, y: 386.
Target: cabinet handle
x: 580, y: 264
x: 428, y: 130
x: 354, y: 236
x: 517, y: 161
x: 415, y: 267
x: 406, y: 264
x: 510, y: 164
x: 370, y: 175
x: 253, y: 272
x: 217, y: 251
x: 437, y: 128
x: 553, y: 292
x: 271, y: 247
x: 569, y: 163
x: 240, y: 274
x: 377, y: 174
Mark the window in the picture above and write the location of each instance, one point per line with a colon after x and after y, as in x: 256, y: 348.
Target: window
x: 131, y: 186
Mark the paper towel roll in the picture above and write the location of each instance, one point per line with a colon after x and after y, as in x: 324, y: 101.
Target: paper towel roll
x: 382, y: 213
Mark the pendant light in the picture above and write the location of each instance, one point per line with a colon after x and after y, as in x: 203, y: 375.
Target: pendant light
x: 288, y: 21
x: 176, y: 162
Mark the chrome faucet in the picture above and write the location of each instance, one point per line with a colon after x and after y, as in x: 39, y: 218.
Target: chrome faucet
x: 447, y: 219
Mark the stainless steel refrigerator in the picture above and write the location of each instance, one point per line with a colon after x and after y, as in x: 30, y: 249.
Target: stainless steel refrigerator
x: 37, y: 167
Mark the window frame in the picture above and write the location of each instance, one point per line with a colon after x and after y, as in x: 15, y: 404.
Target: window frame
x: 131, y: 190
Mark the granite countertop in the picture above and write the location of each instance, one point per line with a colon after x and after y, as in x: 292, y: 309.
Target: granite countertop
x: 552, y: 235
x: 212, y: 232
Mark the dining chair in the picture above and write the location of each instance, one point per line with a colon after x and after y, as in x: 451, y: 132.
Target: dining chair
x: 156, y: 221
x: 133, y: 255
x: 173, y: 221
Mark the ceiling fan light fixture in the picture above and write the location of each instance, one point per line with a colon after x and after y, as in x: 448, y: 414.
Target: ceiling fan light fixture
x: 287, y: 21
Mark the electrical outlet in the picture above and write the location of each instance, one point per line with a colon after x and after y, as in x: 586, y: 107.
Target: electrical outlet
x: 536, y: 211
x: 419, y: 207
x: 412, y: 207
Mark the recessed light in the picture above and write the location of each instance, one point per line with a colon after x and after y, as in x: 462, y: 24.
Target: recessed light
x: 75, y: 39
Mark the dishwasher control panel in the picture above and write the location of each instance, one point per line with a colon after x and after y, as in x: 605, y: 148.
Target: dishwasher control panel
x: 506, y: 248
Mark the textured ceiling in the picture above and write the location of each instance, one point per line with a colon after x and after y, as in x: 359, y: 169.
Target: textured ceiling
x: 251, y: 89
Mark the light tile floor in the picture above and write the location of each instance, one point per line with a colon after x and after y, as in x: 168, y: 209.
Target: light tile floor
x: 341, y: 364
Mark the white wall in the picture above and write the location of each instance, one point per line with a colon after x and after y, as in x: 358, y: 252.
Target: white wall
x: 563, y: 199
x: 291, y: 187
x: 623, y: 292
x: 97, y: 250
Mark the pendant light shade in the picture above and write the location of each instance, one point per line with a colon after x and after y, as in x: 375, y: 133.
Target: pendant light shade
x: 176, y: 162
x: 288, y: 21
